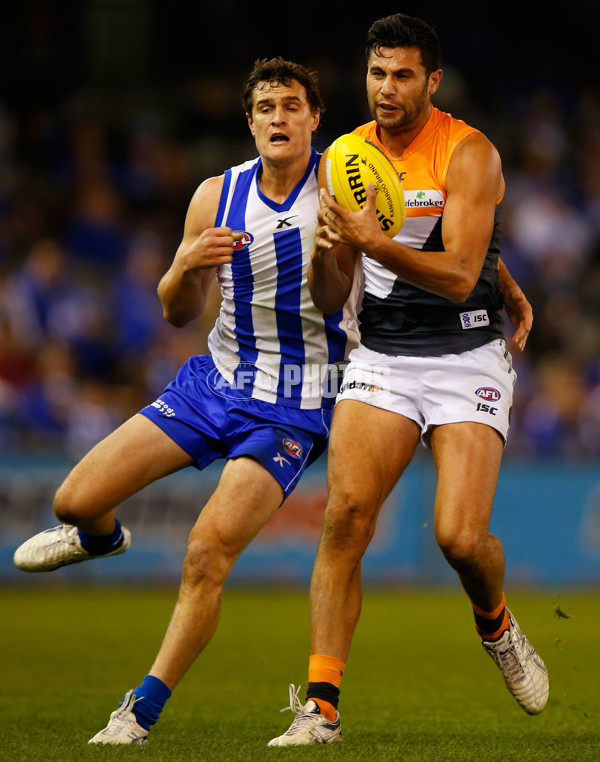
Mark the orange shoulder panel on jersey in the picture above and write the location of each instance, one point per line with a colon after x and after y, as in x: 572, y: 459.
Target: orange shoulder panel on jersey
x: 422, y: 167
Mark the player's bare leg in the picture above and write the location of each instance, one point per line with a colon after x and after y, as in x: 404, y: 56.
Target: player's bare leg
x: 246, y: 497
x: 362, y: 470
x: 467, y: 457
x: 134, y: 455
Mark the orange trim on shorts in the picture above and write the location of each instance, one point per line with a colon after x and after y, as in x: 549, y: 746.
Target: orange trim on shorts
x: 325, y: 669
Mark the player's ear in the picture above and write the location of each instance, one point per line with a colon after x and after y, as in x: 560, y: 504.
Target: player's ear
x: 434, y: 80
x: 250, y: 122
x: 316, y: 119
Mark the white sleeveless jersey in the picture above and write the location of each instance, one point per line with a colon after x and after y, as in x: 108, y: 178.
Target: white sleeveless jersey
x: 270, y: 341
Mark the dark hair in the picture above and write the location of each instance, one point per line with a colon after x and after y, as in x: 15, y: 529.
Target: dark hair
x: 400, y: 31
x: 278, y: 70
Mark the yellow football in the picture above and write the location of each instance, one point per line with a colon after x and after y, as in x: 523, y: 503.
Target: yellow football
x: 352, y: 163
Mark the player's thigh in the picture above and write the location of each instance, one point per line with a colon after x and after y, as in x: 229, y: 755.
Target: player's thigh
x: 369, y: 448
x: 245, y: 499
x: 467, y: 458
x: 134, y: 455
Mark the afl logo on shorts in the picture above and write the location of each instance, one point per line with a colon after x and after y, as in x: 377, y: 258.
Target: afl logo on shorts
x: 488, y: 393
x: 244, y: 241
x: 292, y: 448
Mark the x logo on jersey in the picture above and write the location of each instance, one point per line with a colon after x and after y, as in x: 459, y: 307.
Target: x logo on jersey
x: 284, y: 222
x: 280, y: 459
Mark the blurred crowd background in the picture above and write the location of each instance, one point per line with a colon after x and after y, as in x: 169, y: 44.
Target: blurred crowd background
x: 113, y: 111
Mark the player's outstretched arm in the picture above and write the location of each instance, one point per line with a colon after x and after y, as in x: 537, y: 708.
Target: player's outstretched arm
x: 517, y: 306
x: 473, y: 183
x: 184, y: 287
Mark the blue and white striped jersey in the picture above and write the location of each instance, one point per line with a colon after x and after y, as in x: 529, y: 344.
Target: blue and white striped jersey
x: 270, y: 341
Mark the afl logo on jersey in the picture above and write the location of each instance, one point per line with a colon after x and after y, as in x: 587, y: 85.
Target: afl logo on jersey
x: 292, y: 448
x: 244, y: 241
x: 488, y: 393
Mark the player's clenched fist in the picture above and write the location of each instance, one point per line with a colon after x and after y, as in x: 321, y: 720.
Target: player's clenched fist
x: 184, y: 287
x: 213, y: 247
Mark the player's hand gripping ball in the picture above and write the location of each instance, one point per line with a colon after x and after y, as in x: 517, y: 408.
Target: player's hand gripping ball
x: 352, y: 163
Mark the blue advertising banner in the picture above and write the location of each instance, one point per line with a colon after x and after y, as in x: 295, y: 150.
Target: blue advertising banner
x: 546, y: 514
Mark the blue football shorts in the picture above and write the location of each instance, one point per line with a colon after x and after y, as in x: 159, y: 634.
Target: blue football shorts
x: 209, y: 420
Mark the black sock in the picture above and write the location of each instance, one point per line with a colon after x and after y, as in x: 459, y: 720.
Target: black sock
x: 325, y: 691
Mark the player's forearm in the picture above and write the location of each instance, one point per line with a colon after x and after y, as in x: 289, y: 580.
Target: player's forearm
x: 443, y: 273
x: 506, y: 283
x: 329, y: 287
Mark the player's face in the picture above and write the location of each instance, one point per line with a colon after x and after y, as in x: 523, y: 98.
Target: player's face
x: 398, y: 89
x: 282, y: 121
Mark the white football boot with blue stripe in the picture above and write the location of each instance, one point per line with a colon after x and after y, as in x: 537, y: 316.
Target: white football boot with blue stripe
x: 525, y: 673
x: 123, y: 727
x: 309, y: 727
x: 60, y: 546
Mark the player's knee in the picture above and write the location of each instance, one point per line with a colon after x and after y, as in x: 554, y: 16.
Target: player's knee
x: 80, y: 499
x: 207, y: 562
x: 349, y: 520
x: 460, y: 547
x: 65, y: 506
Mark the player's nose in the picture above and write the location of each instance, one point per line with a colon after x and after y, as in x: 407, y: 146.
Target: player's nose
x: 278, y: 116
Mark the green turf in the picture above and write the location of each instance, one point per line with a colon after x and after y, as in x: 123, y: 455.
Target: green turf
x: 418, y: 685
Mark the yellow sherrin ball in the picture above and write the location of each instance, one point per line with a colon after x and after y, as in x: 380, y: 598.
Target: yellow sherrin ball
x: 352, y: 163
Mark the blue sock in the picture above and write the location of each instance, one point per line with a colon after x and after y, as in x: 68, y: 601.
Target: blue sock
x: 99, y: 545
x: 151, y: 696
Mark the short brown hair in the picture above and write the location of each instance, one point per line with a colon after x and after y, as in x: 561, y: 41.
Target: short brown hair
x: 279, y: 70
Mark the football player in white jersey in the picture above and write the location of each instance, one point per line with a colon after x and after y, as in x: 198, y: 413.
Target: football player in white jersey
x: 263, y: 413
x: 417, y: 376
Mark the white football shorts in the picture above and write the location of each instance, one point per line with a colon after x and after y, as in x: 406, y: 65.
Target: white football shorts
x: 476, y: 385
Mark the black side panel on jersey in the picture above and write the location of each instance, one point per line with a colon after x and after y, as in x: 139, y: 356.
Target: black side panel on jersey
x: 411, y: 321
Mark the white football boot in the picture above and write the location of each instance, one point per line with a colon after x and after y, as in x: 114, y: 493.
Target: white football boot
x: 59, y: 546
x: 309, y: 727
x: 525, y: 673
x: 123, y: 726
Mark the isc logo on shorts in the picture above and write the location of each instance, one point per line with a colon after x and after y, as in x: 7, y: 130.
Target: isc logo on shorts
x: 292, y: 448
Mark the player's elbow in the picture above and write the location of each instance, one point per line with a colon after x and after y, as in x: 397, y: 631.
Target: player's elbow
x: 328, y: 297
x: 176, y: 318
x: 177, y: 309
x: 458, y: 295
x: 461, y: 286
x: 326, y: 304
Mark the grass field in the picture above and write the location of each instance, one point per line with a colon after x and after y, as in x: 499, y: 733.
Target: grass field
x: 418, y: 685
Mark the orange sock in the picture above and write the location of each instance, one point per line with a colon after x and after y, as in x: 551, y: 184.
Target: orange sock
x: 491, y: 624
x: 326, y: 669
x: 327, y: 710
